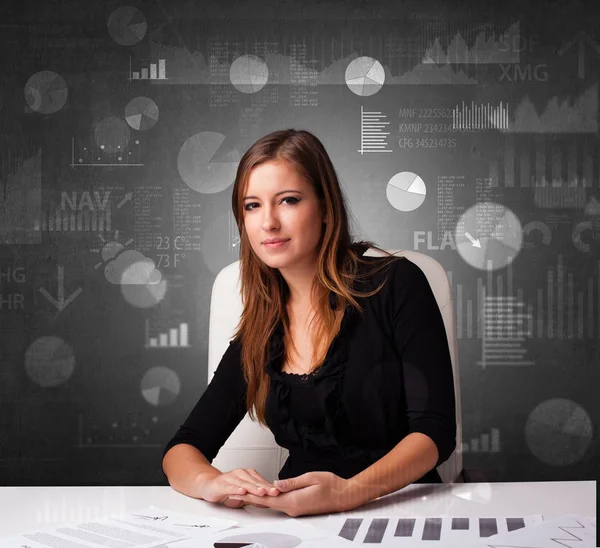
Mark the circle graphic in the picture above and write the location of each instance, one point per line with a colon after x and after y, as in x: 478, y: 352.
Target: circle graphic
x: 160, y: 386
x: 141, y: 113
x: 406, y: 191
x: 112, y: 134
x: 488, y: 236
x: 365, y: 76
x: 205, y: 164
x: 249, y: 73
x: 127, y: 26
x: 140, y: 289
x: 558, y: 432
x: 46, y: 92
x: 49, y: 361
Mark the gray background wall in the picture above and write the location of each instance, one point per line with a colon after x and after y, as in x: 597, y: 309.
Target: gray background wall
x: 92, y: 194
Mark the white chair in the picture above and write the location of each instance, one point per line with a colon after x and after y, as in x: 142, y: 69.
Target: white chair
x: 252, y: 445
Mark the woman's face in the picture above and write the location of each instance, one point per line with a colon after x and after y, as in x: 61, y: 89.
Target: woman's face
x: 273, y: 210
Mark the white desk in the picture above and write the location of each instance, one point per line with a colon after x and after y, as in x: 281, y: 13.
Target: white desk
x: 27, y: 508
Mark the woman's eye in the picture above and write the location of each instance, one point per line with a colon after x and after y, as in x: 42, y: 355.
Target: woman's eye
x: 294, y: 201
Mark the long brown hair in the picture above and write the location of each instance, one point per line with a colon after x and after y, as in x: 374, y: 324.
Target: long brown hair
x: 264, y: 291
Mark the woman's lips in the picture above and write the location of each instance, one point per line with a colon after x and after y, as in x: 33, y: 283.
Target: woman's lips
x: 276, y: 244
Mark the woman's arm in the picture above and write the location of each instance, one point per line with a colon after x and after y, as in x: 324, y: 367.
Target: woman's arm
x: 186, y: 468
x: 411, y: 459
x: 189, y: 454
x: 421, y: 343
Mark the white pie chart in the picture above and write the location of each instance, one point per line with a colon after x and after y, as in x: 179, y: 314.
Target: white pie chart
x: 496, y: 229
x: 249, y: 73
x: 207, y: 163
x: 406, y: 191
x: 365, y: 76
x: 559, y: 432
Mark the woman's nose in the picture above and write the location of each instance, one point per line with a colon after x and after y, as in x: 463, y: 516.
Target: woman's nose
x: 269, y: 218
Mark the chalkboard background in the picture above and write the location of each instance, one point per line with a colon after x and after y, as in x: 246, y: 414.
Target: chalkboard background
x: 121, y: 128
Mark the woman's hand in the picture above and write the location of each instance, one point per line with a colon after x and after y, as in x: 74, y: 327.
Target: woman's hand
x: 220, y: 487
x: 310, y: 493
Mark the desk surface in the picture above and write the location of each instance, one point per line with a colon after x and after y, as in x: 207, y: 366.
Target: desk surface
x: 28, y: 508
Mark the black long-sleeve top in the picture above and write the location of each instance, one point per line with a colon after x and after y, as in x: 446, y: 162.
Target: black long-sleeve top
x: 386, y: 374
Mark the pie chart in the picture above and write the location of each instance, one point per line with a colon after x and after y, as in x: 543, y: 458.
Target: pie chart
x: 160, y: 386
x: 46, y: 92
x: 406, y: 191
x: 127, y: 26
x: 365, y: 76
x: 49, y: 361
x: 558, y: 432
x: 249, y: 74
x: 206, y: 164
x: 259, y: 540
x: 141, y: 113
x: 488, y: 236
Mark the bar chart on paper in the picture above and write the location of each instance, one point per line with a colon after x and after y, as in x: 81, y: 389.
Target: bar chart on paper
x: 441, y: 531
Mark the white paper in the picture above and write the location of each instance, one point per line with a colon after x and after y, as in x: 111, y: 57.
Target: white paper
x: 288, y: 533
x: 140, y: 529
x: 176, y: 525
x: 570, y: 530
x: 434, y: 531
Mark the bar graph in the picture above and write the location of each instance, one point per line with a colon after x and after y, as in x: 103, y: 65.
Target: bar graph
x: 156, y: 70
x: 554, y: 319
x: 523, y: 160
x: 84, y: 220
x: 372, y: 136
x: 503, y: 319
x: 426, y: 531
x: 484, y: 443
x: 173, y: 337
x: 480, y: 116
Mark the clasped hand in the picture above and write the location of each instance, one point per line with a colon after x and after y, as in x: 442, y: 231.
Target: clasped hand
x: 310, y: 493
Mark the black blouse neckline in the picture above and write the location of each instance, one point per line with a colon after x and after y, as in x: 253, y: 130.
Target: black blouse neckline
x: 334, y: 357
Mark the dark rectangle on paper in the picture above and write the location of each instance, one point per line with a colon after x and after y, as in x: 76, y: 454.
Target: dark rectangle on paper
x: 432, y: 529
x: 487, y: 527
x: 376, y: 531
x: 460, y: 523
x: 405, y: 527
x: 515, y: 523
x: 350, y: 528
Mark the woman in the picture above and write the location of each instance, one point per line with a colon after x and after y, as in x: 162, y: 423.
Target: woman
x: 356, y: 384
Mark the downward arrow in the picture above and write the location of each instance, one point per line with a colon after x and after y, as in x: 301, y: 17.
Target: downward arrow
x: 60, y: 303
x: 473, y: 240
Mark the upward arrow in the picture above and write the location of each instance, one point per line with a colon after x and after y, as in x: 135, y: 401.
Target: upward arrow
x: 580, y: 38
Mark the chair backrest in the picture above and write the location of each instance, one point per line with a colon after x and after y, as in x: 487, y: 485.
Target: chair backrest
x: 252, y: 445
